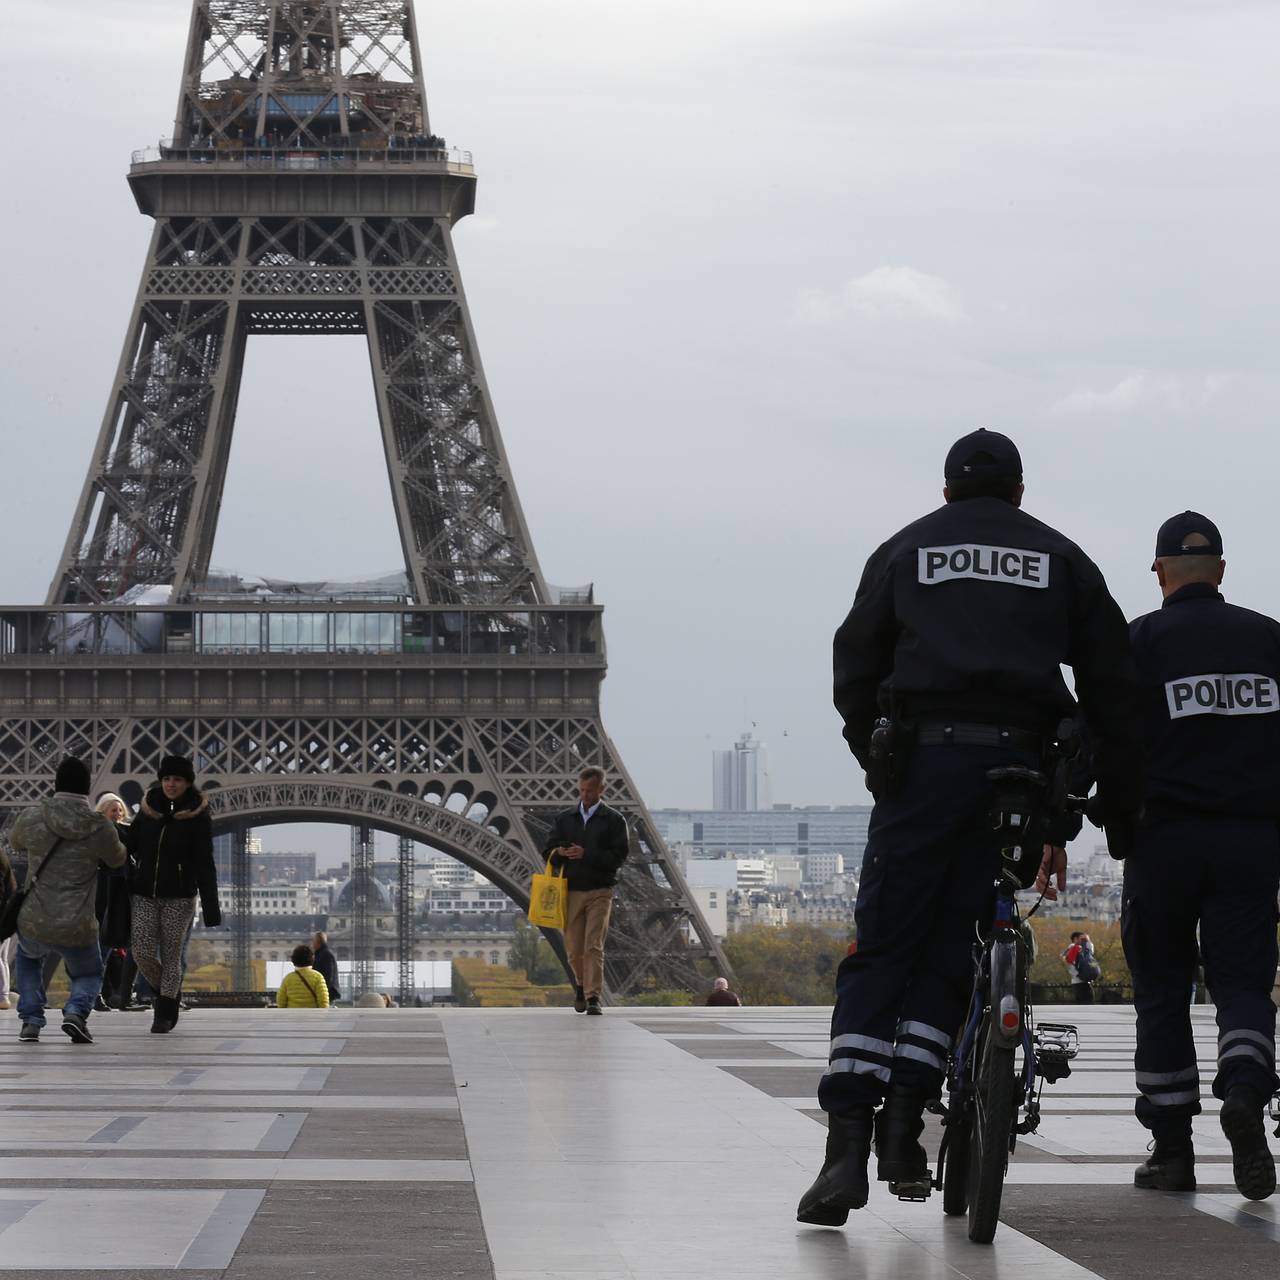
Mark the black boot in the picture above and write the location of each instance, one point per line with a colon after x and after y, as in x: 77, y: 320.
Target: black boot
x: 900, y: 1159
x: 166, y: 1015
x: 1252, y: 1163
x: 1171, y: 1166
x: 842, y: 1184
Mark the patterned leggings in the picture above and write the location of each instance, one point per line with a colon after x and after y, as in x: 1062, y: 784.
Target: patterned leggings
x: 160, y: 927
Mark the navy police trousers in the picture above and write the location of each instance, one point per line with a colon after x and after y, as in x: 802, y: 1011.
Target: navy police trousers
x: 1221, y: 874
x: 928, y: 877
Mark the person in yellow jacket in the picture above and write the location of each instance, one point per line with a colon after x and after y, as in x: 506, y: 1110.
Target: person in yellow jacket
x: 304, y: 988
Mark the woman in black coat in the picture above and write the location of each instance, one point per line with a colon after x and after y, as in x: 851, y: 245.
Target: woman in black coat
x: 171, y: 843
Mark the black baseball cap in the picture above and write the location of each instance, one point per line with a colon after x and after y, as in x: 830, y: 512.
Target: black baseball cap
x: 983, y: 454
x: 1173, y: 535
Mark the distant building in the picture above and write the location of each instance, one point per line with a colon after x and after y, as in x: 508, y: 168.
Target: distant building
x: 784, y: 829
x: 740, y: 777
x: 821, y: 868
x: 264, y: 868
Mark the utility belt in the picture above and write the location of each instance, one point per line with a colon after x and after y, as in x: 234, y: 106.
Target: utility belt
x: 892, y: 741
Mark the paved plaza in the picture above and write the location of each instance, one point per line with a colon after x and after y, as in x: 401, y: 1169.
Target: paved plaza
x: 650, y: 1144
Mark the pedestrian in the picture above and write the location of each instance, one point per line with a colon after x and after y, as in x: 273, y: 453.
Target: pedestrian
x: 8, y: 887
x: 1082, y: 967
x: 589, y: 843
x: 304, y: 988
x: 171, y: 841
x: 721, y: 995
x: 326, y: 964
x: 65, y: 842
x: 1207, y: 855
x: 112, y: 902
x: 949, y: 665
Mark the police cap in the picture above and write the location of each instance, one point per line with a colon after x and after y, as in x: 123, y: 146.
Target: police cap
x: 983, y: 454
x: 1176, y: 534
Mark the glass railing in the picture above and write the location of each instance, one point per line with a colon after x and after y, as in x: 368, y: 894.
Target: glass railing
x: 353, y: 156
x: 121, y: 631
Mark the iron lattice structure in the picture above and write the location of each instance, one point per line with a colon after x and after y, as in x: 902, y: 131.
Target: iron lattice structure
x: 405, y: 918
x: 304, y: 192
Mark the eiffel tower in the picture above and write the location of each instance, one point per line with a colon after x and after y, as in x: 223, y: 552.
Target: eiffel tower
x: 303, y: 192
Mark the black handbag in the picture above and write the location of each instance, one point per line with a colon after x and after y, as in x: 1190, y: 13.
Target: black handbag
x: 9, y: 915
x: 117, y: 921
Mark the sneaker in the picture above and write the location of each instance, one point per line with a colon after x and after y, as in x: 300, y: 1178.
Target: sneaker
x: 76, y: 1028
x: 579, y: 1000
x: 593, y: 1005
x: 29, y: 1034
x: 101, y: 1006
x: 1252, y: 1164
x: 1171, y: 1166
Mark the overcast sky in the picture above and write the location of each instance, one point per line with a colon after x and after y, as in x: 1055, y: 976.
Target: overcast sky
x: 741, y: 271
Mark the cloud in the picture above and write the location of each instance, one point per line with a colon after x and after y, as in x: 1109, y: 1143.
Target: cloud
x: 903, y: 291
x: 885, y: 292
x: 1167, y: 392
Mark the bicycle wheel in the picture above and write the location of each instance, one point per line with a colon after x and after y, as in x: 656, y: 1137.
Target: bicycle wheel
x: 955, y: 1174
x: 994, y: 1107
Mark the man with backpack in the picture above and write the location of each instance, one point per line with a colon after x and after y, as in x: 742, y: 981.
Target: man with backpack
x: 1083, y: 966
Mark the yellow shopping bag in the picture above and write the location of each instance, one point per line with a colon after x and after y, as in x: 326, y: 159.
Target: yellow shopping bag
x: 549, y: 899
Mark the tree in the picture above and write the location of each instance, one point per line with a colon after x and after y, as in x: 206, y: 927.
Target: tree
x: 795, y: 964
x: 532, y: 953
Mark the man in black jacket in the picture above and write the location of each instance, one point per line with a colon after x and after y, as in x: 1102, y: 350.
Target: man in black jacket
x: 957, y: 637
x: 326, y: 965
x: 589, y: 842
x: 1207, y: 856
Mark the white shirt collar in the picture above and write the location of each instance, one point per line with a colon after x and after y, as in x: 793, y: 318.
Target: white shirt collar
x: 586, y: 813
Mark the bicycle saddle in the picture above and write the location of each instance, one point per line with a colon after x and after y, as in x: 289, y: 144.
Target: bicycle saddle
x: 1017, y: 773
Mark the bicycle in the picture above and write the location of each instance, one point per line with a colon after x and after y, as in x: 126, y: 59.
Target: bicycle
x: 985, y: 1091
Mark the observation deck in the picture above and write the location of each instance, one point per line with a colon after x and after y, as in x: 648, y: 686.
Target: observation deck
x: 352, y: 176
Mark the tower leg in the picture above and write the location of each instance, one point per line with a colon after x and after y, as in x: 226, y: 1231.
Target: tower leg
x: 242, y: 919
x: 405, y: 921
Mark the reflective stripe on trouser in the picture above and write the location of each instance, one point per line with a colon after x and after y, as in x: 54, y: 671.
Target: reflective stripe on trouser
x: 1215, y: 879
x: 926, y: 880
x: 1170, y: 1088
x: 860, y: 1055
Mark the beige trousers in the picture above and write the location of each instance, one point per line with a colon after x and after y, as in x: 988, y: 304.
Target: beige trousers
x: 584, y: 934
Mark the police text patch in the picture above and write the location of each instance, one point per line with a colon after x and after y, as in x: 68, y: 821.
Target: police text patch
x: 986, y: 564
x: 1222, y: 695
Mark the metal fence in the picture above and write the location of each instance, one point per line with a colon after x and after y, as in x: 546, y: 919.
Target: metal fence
x: 304, y: 159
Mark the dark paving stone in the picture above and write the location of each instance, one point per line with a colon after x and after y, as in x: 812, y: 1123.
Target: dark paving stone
x: 788, y: 1082
x: 394, y: 1047
x: 431, y: 1082
x: 380, y: 1135
x: 346, y: 1231
x: 736, y: 1047
x: 1121, y: 1233
x: 691, y: 1026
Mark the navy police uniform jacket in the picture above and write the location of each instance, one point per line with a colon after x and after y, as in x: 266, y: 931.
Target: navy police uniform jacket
x: 968, y: 615
x: 1210, y: 674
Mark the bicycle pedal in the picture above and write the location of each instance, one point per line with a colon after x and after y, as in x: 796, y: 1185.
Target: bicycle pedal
x: 916, y: 1192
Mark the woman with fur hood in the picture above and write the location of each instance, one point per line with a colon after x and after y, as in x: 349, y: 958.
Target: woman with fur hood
x: 171, y: 843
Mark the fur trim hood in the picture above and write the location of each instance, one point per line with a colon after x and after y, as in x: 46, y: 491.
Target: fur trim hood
x: 193, y: 805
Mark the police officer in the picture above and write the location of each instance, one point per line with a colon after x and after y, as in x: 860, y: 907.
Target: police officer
x: 957, y: 635
x: 1207, y: 854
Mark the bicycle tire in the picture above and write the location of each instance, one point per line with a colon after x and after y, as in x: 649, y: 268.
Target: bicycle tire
x: 955, y: 1174
x: 994, y: 1105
